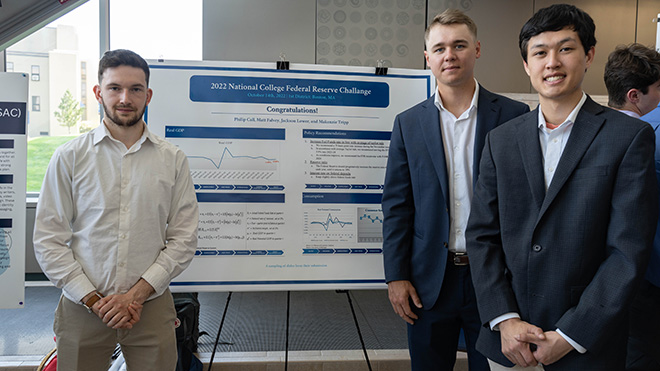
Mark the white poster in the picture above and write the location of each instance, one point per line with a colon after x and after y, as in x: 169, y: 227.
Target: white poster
x: 288, y: 166
x: 13, y: 165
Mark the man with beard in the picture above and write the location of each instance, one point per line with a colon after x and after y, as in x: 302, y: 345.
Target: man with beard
x: 116, y: 221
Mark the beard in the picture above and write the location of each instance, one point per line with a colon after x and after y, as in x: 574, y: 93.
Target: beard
x: 123, y: 121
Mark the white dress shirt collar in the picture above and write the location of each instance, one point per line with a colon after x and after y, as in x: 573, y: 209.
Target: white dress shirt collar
x: 474, y: 104
x: 569, y: 119
x: 630, y: 113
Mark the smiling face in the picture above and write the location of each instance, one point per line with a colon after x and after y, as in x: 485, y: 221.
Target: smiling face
x: 124, y: 95
x: 451, y: 52
x: 556, y: 65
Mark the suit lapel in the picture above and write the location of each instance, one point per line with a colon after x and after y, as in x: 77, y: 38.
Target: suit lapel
x: 429, y: 121
x: 488, y: 114
x: 532, y: 158
x: 585, y: 129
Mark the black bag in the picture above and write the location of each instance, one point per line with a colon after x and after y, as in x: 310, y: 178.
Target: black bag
x: 187, y: 331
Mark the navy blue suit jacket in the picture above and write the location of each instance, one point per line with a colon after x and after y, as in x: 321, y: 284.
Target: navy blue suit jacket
x: 415, y: 197
x: 570, y: 257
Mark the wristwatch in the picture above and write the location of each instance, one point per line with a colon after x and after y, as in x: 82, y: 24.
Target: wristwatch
x: 90, y: 303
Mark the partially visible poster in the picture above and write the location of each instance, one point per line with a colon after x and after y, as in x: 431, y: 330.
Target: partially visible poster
x: 13, y: 165
x: 288, y: 166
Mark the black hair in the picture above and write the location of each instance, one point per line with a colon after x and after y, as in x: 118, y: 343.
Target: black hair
x: 555, y: 18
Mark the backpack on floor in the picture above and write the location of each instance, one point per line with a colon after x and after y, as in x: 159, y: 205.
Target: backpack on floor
x: 187, y: 331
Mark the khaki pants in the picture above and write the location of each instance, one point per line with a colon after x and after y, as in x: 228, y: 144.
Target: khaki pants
x: 494, y: 366
x: 85, y: 343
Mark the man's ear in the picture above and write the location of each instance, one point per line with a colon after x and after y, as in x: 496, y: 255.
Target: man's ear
x: 526, y: 67
x: 150, y: 93
x: 633, y: 96
x: 97, y: 93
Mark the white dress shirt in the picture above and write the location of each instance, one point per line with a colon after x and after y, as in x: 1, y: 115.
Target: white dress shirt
x: 630, y: 113
x: 108, y: 216
x: 458, y: 141
x: 553, y: 142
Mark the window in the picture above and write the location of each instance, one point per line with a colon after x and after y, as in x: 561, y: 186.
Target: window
x: 56, y: 57
x: 36, y: 75
x: 64, y: 55
x: 83, y: 89
x: 36, y: 103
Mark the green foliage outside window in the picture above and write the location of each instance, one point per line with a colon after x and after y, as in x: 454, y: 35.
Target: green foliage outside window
x: 69, y: 111
x: 39, y: 152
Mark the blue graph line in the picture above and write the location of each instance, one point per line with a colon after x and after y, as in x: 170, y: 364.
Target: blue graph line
x: 226, y: 150
x: 331, y: 220
x: 373, y: 220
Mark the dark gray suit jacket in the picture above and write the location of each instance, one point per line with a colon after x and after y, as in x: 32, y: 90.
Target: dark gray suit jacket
x: 571, y: 257
x: 415, y: 197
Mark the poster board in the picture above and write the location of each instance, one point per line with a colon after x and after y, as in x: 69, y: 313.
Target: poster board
x: 13, y: 166
x: 288, y: 167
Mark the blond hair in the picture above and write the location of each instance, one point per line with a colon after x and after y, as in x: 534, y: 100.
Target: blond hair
x: 449, y: 17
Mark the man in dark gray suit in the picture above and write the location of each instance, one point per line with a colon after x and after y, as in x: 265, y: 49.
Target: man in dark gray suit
x: 563, y: 214
x: 433, y: 161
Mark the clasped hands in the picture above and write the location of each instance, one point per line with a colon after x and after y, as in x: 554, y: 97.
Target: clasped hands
x: 119, y: 311
x: 518, y: 335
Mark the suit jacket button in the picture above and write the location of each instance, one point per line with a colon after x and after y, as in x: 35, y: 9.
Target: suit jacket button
x: 537, y: 248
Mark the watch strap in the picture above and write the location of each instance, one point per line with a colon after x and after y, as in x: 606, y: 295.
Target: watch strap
x: 91, y: 301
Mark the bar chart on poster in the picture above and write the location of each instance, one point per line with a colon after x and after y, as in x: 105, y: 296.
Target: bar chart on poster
x: 288, y: 167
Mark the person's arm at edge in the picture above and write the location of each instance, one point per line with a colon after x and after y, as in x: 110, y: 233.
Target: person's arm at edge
x: 398, y: 212
x: 181, y: 235
x: 53, y: 233
x: 495, y: 296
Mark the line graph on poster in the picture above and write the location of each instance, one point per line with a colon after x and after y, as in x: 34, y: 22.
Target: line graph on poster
x: 234, y: 160
x: 324, y: 224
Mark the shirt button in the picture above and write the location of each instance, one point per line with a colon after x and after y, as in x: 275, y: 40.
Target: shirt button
x: 123, y: 236
x: 555, y: 141
x: 121, y: 265
x: 551, y: 169
x: 458, y: 232
x: 458, y: 203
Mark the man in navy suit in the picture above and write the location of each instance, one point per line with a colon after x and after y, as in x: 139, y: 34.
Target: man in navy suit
x: 632, y: 78
x: 433, y: 160
x: 563, y: 214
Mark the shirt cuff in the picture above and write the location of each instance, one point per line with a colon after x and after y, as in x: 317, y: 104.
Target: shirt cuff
x: 158, y: 278
x: 575, y: 345
x: 499, y: 319
x: 78, y: 288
